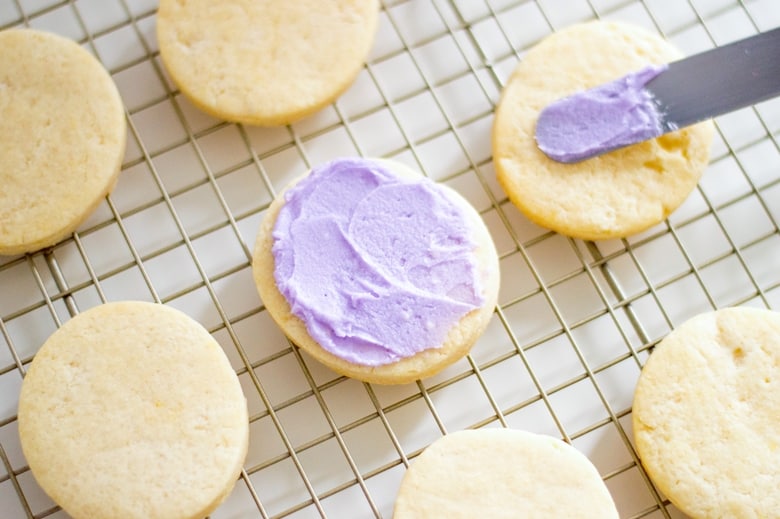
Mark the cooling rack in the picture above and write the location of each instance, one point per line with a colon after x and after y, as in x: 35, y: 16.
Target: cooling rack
x: 575, y: 321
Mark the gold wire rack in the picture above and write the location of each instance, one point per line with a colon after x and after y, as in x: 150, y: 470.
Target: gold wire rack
x: 575, y: 321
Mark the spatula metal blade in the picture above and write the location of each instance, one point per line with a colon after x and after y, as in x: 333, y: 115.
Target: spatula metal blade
x: 718, y: 81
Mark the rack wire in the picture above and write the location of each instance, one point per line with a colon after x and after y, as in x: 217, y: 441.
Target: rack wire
x: 575, y: 321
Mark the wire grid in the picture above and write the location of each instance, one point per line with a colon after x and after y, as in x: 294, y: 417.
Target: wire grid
x: 575, y: 322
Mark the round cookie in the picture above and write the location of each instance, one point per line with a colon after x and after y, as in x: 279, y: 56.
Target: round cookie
x: 458, y: 337
x: 265, y: 62
x: 610, y: 196
x: 62, y: 138
x: 706, y: 411
x: 502, y: 473
x: 131, y: 410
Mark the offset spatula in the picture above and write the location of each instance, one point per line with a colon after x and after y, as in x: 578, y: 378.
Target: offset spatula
x: 660, y: 99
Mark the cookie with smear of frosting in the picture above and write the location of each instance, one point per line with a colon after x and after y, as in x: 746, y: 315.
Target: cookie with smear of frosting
x: 378, y: 272
x: 62, y: 138
x: 706, y: 411
x: 265, y: 62
x: 502, y: 473
x: 614, y: 195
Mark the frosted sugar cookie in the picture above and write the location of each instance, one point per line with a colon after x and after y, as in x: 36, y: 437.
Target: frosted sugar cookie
x: 616, y: 194
x: 62, y: 138
x: 502, y: 473
x: 265, y: 62
x: 131, y: 410
x: 706, y: 412
x: 376, y: 271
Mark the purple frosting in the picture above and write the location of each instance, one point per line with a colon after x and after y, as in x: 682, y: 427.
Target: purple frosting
x: 377, y: 266
x: 604, y: 118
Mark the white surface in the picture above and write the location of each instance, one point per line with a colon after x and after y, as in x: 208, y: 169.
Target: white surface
x: 575, y: 320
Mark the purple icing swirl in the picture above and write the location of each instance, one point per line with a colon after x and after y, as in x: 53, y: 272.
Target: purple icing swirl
x: 601, y: 119
x: 378, y: 267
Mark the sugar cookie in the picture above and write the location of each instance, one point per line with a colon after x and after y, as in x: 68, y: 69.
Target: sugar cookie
x: 706, y: 414
x: 62, y: 138
x: 377, y: 272
x: 502, y: 473
x: 132, y: 410
x: 614, y: 195
x: 264, y: 62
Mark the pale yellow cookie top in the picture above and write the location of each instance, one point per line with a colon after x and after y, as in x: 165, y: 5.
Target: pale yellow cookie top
x: 62, y: 138
x: 265, y: 62
x: 502, y: 473
x: 132, y: 410
x: 614, y: 195
x: 706, y: 413
x: 460, y: 339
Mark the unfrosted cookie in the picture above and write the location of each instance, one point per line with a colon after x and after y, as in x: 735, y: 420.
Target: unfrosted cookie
x: 131, y: 410
x: 264, y: 62
x: 62, y: 138
x: 502, y: 473
x: 614, y: 195
x: 377, y: 272
x: 706, y: 412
